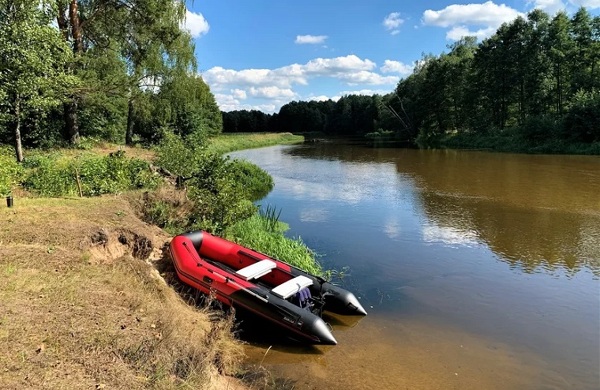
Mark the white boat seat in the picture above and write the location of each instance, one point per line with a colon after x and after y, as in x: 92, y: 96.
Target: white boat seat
x: 292, y: 286
x: 256, y: 270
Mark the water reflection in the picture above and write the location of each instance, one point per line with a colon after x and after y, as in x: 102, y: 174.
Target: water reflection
x: 428, y: 236
x: 449, y: 235
x: 532, y: 211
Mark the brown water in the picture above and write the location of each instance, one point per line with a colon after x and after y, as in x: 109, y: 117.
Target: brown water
x: 479, y: 270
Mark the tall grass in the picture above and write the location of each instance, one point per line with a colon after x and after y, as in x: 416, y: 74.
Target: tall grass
x: 225, y: 143
x: 265, y: 233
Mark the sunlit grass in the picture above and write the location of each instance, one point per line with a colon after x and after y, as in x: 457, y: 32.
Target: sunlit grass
x: 225, y: 143
x: 266, y: 235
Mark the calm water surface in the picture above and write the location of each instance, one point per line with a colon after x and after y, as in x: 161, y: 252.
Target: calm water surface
x: 478, y: 270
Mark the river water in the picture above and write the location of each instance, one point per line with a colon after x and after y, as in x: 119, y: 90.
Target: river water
x: 478, y: 270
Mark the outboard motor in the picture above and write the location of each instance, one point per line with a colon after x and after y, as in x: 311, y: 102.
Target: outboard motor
x: 303, y: 299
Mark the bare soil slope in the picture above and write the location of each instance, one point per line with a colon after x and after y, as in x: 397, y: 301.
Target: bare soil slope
x: 82, y: 304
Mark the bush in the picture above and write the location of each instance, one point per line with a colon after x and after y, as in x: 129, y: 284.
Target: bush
x: 582, y: 123
x: 538, y: 129
x: 220, y: 200
x: 52, y: 175
x: 254, y: 182
x: 10, y: 171
x: 179, y: 157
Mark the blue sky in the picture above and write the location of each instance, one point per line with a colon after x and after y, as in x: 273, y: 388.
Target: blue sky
x: 265, y: 53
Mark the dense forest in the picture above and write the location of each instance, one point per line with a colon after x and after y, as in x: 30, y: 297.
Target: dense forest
x: 125, y: 71
x: 116, y: 70
x: 532, y: 86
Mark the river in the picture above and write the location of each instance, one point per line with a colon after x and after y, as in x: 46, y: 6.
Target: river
x: 479, y: 270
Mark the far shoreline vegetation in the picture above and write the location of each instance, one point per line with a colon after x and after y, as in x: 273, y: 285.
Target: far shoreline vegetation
x: 532, y: 87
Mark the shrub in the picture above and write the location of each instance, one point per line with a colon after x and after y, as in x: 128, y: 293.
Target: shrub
x: 176, y: 156
x: 582, y: 123
x: 53, y: 176
x: 538, y: 129
x: 252, y: 180
x: 10, y: 171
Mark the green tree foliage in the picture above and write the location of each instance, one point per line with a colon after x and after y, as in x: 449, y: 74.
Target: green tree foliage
x: 153, y: 45
x: 534, y: 81
x: 184, y: 106
x: 244, y: 121
x: 352, y: 115
x: 102, y: 96
x: 32, y: 65
x: 129, y: 65
x: 10, y: 171
x: 221, y: 190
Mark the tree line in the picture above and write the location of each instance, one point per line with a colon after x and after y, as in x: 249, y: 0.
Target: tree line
x: 536, y: 80
x: 117, y: 70
x: 351, y: 115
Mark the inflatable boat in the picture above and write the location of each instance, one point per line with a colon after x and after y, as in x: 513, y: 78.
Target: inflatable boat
x: 272, y: 289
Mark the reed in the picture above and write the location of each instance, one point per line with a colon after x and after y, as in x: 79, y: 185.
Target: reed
x: 270, y: 218
x: 266, y: 234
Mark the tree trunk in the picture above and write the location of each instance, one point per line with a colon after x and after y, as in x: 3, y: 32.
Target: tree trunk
x: 75, y: 27
x: 70, y: 118
x: 62, y: 23
x: 71, y: 132
x: 18, y: 145
x: 130, y: 123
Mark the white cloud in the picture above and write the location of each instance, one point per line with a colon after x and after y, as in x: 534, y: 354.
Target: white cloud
x: 553, y: 6
x: 486, y: 14
x: 550, y: 6
x: 195, y: 24
x: 230, y: 103
x: 218, y: 77
x: 323, y: 98
x: 392, y: 22
x: 227, y: 102
x: 310, y: 39
x: 589, y: 4
x: 364, y: 77
x: 332, y: 66
x: 239, y: 94
x: 390, y: 66
x: 456, y: 33
x: 350, y: 68
x: 237, y: 89
x: 366, y: 92
x: 461, y: 17
x: 272, y: 93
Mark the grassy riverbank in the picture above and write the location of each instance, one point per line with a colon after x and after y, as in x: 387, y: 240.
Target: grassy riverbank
x: 90, y: 299
x: 515, y: 143
x: 225, y: 143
